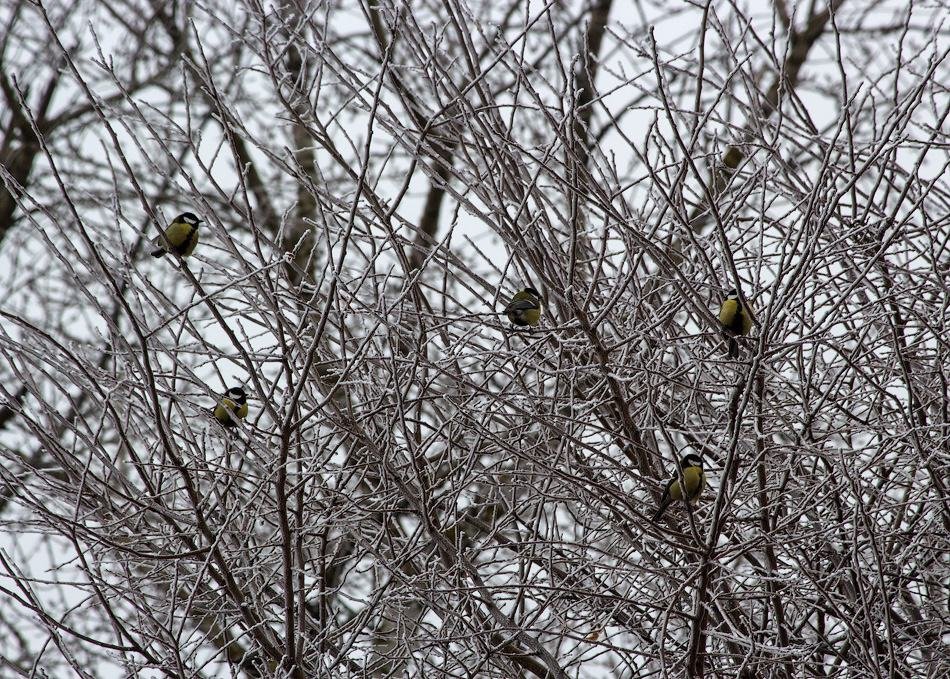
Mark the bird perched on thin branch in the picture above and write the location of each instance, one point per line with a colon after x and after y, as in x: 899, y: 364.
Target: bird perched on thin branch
x: 690, y: 476
x: 232, y: 407
x: 179, y: 238
x: 525, y: 308
x: 736, y: 320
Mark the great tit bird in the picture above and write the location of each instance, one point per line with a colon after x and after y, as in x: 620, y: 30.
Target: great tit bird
x: 525, y: 308
x: 232, y: 407
x: 180, y: 237
x: 736, y: 320
x: 691, y: 467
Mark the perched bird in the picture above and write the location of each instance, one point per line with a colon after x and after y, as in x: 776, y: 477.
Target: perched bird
x: 736, y: 320
x: 525, y: 308
x: 180, y: 237
x: 232, y: 407
x: 691, y: 467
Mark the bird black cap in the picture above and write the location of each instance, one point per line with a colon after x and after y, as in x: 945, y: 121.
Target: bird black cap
x: 691, y: 460
x: 236, y: 394
x: 188, y: 218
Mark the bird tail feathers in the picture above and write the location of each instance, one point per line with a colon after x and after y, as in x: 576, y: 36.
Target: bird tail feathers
x: 658, y: 514
x: 733, y: 348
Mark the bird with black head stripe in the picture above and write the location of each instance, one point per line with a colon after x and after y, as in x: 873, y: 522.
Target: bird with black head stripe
x: 525, y: 308
x: 232, y: 407
x: 179, y: 238
x: 735, y: 319
x: 690, y: 478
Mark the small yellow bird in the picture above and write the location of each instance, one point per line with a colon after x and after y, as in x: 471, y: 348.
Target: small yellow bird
x: 525, y: 308
x: 736, y: 320
x: 232, y: 407
x: 180, y: 238
x: 691, y: 467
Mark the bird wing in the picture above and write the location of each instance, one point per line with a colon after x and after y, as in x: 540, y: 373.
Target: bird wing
x: 665, y: 501
x: 522, y: 305
x: 747, y: 320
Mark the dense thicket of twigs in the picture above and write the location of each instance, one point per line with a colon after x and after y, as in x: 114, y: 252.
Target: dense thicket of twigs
x: 422, y: 490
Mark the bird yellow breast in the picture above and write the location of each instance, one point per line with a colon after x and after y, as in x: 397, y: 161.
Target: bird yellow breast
x: 228, y: 409
x: 694, y: 479
x: 532, y: 316
x: 727, y: 312
x: 734, y: 317
x: 182, y: 238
